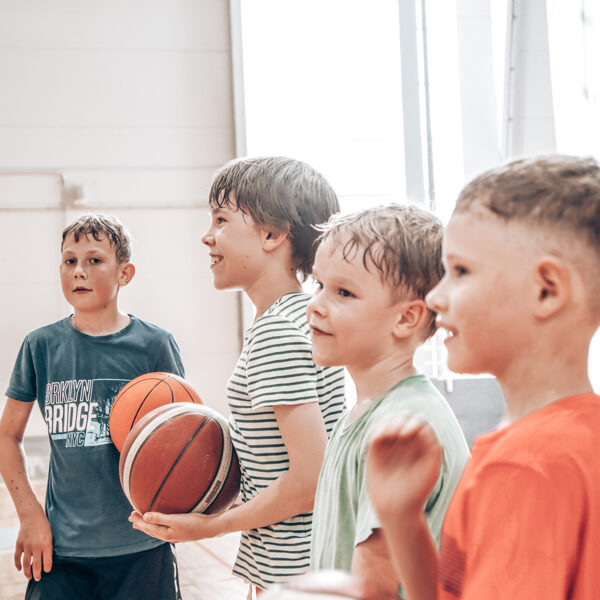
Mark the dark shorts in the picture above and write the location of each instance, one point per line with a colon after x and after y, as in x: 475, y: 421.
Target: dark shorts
x: 148, y: 575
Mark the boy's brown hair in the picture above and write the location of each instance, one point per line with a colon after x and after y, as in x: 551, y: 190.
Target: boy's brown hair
x: 101, y: 226
x: 279, y: 192
x: 403, y: 242
x: 556, y: 191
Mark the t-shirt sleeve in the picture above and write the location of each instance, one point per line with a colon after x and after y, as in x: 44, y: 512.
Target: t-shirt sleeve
x: 367, y: 520
x: 280, y: 368
x: 366, y: 517
x: 524, y: 528
x: 168, y: 357
x: 22, y: 385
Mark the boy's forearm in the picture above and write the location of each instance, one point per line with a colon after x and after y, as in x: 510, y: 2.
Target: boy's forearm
x: 414, y: 554
x: 283, y: 499
x: 13, y: 469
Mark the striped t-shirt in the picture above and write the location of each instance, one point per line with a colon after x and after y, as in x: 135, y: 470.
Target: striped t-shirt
x: 276, y: 367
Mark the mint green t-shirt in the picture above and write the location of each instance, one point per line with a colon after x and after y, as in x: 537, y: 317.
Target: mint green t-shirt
x: 343, y: 515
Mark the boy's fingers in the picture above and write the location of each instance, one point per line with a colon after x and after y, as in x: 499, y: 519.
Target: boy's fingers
x: 27, y: 564
x: 402, y: 427
x: 17, y: 557
x: 157, y: 518
x: 47, y: 559
x: 37, y: 566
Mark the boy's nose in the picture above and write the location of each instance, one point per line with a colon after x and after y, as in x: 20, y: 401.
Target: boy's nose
x: 315, y: 305
x: 434, y: 299
x: 208, y: 238
x: 79, y: 271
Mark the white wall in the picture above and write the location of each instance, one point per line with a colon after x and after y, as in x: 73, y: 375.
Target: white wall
x: 130, y: 103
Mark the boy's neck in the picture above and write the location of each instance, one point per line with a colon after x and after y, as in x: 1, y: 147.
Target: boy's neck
x: 543, y: 377
x: 98, y: 325
x: 375, y: 380
x: 271, y: 287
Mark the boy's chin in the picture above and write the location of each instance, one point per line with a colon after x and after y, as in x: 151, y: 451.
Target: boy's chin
x: 325, y: 361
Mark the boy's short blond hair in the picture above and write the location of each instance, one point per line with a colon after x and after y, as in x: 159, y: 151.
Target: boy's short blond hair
x: 557, y: 196
x: 556, y: 191
x: 403, y: 242
x: 101, y: 226
x: 284, y: 193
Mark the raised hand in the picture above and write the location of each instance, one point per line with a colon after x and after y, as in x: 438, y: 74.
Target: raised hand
x: 403, y: 464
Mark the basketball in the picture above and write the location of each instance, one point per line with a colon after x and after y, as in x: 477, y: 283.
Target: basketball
x: 179, y: 458
x: 143, y: 394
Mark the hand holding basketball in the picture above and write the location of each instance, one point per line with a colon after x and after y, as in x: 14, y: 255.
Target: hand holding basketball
x: 176, y: 528
x: 403, y: 464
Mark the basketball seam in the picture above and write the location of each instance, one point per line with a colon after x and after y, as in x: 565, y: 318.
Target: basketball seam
x: 217, y: 483
x: 209, y: 489
x: 192, y: 399
x: 129, y: 462
x: 137, y: 412
x: 174, y: 464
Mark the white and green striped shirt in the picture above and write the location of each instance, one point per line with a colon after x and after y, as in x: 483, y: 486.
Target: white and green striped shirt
x: 276, y: 367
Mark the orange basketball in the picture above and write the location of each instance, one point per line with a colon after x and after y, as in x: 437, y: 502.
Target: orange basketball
x: 143, y: 394
x: 179, y: 458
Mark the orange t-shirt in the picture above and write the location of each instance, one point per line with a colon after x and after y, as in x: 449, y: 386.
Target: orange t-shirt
x: 525, y: 519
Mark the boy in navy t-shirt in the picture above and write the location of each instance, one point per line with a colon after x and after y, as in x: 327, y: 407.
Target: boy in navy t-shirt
x: 82, y: 545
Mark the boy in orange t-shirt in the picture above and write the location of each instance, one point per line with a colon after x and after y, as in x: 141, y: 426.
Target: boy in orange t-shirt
x: 520, y: 300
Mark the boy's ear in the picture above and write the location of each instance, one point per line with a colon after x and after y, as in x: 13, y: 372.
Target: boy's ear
x: 126, y: 273
x: 409, y: 318
x: 553, y: 286
x: 271, y: 240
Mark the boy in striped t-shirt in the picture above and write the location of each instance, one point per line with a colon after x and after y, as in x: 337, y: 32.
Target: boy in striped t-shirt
x: 283, y: 406
x: 373, y: 269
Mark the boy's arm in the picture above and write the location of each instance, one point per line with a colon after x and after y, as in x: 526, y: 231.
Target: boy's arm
x: 33, y: 550
x: 372, y: 561
x: 403, y: 464
x: 305, y: 437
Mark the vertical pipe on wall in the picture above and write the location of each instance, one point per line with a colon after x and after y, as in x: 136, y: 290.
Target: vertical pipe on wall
x: 411, y: 113
x: 509, y: 82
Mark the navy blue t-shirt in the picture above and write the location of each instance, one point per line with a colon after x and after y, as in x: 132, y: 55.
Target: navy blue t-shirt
x: 75, y: 377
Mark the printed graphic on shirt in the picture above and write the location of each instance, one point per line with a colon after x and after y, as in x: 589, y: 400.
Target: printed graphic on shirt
x: 452, y: 566
x: 77, y: 410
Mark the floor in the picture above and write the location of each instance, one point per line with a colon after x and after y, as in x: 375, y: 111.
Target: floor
x: 204, y: 566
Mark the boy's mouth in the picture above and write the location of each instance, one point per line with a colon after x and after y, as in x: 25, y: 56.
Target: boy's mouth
x: 215, y: 258
x: 450, y: 333
x: 316, y: 331
x: 81, y: 289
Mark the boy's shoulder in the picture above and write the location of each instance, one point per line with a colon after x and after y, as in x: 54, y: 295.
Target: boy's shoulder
x: 49, y: 331
x: 151, y: 329
x: 63, y: 327
x: 416, y: 393
x: 286, y: 313
x: 565, y: 430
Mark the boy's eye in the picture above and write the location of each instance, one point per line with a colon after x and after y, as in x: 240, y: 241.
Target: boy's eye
x: 459, y: 271
x: 95, y: 261
x: 69, y: 261
x: 345, y: 293
x: 220, y: 220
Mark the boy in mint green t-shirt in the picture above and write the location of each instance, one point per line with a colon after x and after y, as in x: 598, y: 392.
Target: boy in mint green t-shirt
x: 374, y: 269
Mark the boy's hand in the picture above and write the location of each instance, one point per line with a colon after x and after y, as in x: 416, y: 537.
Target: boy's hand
x: 33, y: 550
x: 175, y: 528
x: 403, y: 464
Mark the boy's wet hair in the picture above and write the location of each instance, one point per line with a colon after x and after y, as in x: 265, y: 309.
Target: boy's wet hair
x: 562, y: 192
x: 403, y: 242
x: 278, y: 192
x: 101, y: 226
